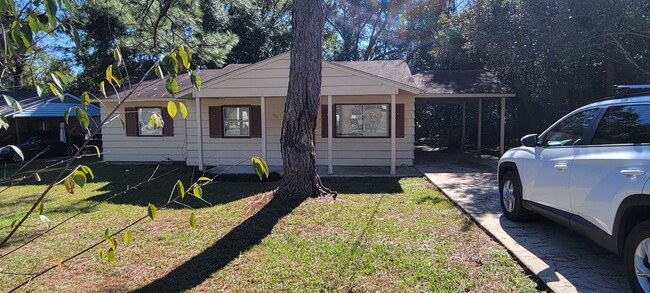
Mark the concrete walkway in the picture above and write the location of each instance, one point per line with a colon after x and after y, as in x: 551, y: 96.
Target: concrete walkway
x: 563, y: 260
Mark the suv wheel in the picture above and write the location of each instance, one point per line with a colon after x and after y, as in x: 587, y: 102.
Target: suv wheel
x: 511, y: 199
x: 636, y: 257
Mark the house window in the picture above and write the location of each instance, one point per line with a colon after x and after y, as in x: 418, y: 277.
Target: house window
x: 236, y: 121
x: 365, y: 120
x: 144, y: 126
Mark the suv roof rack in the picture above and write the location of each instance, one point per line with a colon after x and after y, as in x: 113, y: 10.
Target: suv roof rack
x: 626, y: 89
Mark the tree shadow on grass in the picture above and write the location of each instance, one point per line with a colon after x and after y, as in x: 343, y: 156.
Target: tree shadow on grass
x: 374, y: 185
x: 214, y: 258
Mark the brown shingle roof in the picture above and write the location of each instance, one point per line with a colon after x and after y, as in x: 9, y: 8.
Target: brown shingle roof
x: 155, y: 88
x: 460, y: 82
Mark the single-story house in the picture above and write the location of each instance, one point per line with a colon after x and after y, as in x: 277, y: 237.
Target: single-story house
x: 366, y: 117
x: 45, y: 117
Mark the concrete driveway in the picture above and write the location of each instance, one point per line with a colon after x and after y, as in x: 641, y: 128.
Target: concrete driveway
x: 563, y: 260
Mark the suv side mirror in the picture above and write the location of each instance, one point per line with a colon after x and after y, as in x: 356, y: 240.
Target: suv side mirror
x: 529, y: 140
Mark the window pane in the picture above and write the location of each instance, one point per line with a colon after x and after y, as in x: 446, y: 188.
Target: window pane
x: 624, y: 124
x: 362, y: 120
x: 236, y: 121
x: 144, y: 114
x: 570, y: 130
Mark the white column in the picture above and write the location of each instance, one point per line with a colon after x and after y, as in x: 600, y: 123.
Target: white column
x: 502, y: 142
x: 393, y: 126
x: 480, y: 121
x: 263, y: 117
x: 199, y: 132
x: 330, y: 139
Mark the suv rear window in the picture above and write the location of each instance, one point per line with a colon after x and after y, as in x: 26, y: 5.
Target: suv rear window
x: 624, y: 125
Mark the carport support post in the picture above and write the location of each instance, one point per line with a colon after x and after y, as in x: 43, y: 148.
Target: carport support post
x: 330, y: 132
x: 263, y: 118
x: 393, y: 125
x: 480, y: 121
x: 502, y: 130
x: 462, y: 135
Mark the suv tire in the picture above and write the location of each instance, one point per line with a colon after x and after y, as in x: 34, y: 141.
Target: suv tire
x: 637, y: 255
x: 511, y: 199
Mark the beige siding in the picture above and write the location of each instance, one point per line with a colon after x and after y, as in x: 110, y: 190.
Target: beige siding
x: 121, y: 148
x: 272, y: 77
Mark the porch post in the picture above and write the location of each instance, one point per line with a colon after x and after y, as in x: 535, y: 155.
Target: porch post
x: 502, y: 142
x: 393, y: 125
x: 330, y: 132
x: 199, y: 132
x: 480, y: 121
x: 263, y: 118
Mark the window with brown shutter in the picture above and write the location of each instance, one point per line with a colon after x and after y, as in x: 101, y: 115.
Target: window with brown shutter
x: 256, y: 121
x: 168, y: 126
x: 399, y: 120
x: 215, y: 121
x: 323, y: 121
x: 131, y: 121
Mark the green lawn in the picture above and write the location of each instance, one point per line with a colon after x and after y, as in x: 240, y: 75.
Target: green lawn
x: 379, y: 235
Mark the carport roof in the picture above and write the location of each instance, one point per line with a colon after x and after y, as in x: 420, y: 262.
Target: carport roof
x: 460, y: 82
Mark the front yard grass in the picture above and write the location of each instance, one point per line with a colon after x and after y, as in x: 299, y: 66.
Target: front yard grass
x: 382, y: 234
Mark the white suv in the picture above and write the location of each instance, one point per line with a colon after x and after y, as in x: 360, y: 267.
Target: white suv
x: 589, y: 171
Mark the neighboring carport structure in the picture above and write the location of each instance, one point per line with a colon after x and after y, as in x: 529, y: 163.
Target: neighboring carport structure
x: 462, y: 86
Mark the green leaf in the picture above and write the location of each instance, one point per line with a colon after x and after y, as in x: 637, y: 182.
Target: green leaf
x: 158, y: 70
x: 13, y: 223
x: 79, y: 178
x: 183, y: 109
x: 193, y: 221
x: 4, y: 123
x: 66, y: 114
x: 122, y: 123
x: 57, y: 79
x: 46, y: 221
x: 13, y: 103
x: 127, y: 238
x: 99, y: 153
x: 85, y: 99
x: 109, y: 73
x: 82, y: 117
x: 260, y: 166
x: 74, y: 34
x: 203, y: 179
x: 156, y: 121
x: 171, y: 109
x: 184, y: 57
x: 56, y: 91
x: 40, y: 207
x: 68, y: 6
x: 181, y: 188
x: 3, y: 6
x: 112, y: 243
x: 87, y: 169
x: 18, y: 151
x: 50, y: 11
x: 102, y: 253
x: 102, y: 88
x: 172, y: 86
x: 198, y: 192
x: 107, y: 234
x: 37, y: 177
x: 117, y: 56
x: 111, y: 255
x: 60, y: 76
x: 196, y: 80
x: 171, y: 64
x: 34, y: 24
x: 151, y: 210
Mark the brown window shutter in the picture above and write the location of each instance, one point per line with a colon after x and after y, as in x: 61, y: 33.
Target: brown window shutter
x: 168, y: 126
x: 215, y: 121
x: 399, y: 120
x: 323, y: 120
x: 131, y: 121
x: 256, y: 121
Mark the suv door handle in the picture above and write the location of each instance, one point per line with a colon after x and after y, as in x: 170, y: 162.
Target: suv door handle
x: 631, y: 172
x: 561, y: 167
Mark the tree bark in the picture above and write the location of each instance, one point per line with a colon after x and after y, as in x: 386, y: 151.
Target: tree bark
x: 300, y: 179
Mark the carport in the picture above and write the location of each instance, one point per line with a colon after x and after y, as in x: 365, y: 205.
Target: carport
x: 463, y: 87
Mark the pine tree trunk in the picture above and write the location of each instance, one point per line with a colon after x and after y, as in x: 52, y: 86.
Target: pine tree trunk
x: 300, y: 179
